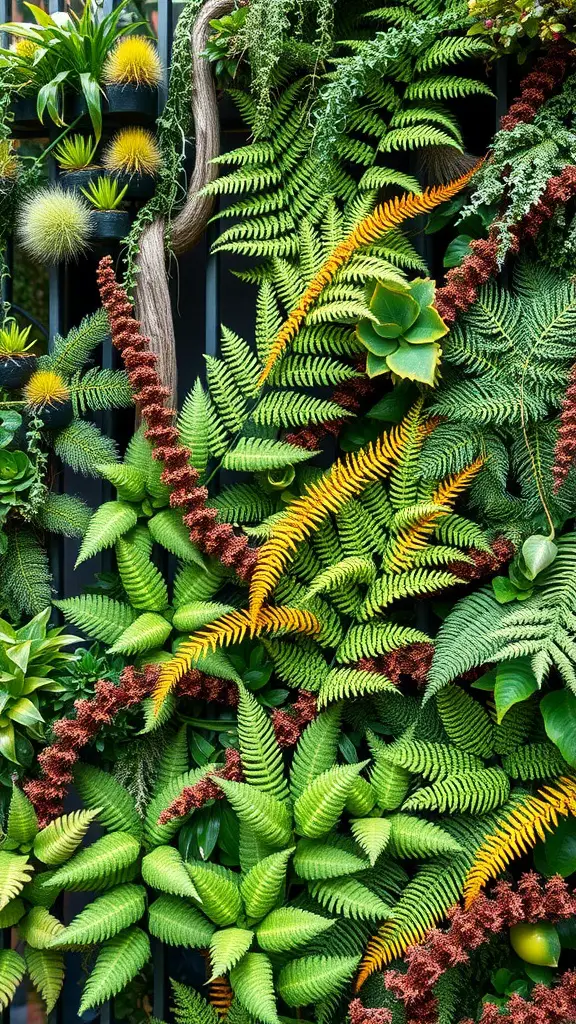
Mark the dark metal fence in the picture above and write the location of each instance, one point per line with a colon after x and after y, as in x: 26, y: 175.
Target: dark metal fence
x: 199, y: 305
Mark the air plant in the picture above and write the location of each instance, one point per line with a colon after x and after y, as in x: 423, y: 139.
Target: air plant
x: 105, y: 194
x: 75, y: 153
x: 133, y: 61
x: 132, y: 151
x: 14, y: 340
x: 8, y: 160
x: 54, y: 225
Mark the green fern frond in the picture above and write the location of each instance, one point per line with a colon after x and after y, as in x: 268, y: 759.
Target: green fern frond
x: 147, y: 632
x: 82, y: 446
x: 255, y: 454
x: 253, y: 985
x: 25, y: 577
x: 110, y: 522
x: 12, y: 971
x: 218, y: 891
x: 260, y: 811
x: 315, y: 752
x: 227, y: 947
x: 288, y: 928
x: 14, y: 874
x: 467, y: 724
x: 263, y: 884
x: 98, y: 390
x: 350, y: 898
x: 168, y: 530
x: 64, y: 514
x: 314, y: 978
x: 318, y: 808
x: 58, y: 841
x: 119, y: 960
x: 535, y: 761
x: 71, y: 353
x: 415, y: 837
x: 106, y: 917
x: 372, y: 834
x: 398, y: 586
x: 142, y: 581
x: 40, y: 929
x: 175, y: 923
x: 164, y: 869
x: 290, y: 409
x: 190, y: 1007
x: 368, y: 640
x: 262, y: 762
x: 332, y: 857
x: 341, y: 683
x: 297, y: 662
x: 99, y: 864
x: 451, y: 50
x: 201, y: 430
x: 22, y: 824
x: 243, y: 503
x: 114, y: 806
x: 474, y: 792
x: 46, y: 970
x: 446, y: 87
x: 349, y: 570
x: 432, y: 760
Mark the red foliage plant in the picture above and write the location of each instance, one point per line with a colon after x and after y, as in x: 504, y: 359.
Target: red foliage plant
x: 534, y: 899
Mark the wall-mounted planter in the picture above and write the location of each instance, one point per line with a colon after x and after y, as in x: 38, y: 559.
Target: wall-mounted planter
x: 110, y: 225
x: 16, y: 370
x: 26, y: 123
x: 57, y: 416
x: 132, y: 104
x: 73, y: 181
x: 140, y: 186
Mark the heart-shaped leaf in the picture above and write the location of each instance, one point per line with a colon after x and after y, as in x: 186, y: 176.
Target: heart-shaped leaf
x: 515, y: 682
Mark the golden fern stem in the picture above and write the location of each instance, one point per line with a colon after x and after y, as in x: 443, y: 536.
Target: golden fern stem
x: 414, y: 538
x: 229, y: 629
x: 384, y: 218
x: 346, y: 478
x: 220, y: 995
x: 520, y: 831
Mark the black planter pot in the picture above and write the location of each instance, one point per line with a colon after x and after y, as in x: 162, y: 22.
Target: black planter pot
x: 132, y: 104
x: 57, y: 416
x: 73, y: 181
x: 140, y: 186
x: 26, y: 123
x: 110, y: 224
x: 16, y: 370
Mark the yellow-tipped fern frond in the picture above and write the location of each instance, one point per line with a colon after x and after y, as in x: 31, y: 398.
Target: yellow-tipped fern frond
x: 520, y: 831
x: 345, y: 480
x: 230, y: 629
x: 414, y: 537
x: 385, y: 217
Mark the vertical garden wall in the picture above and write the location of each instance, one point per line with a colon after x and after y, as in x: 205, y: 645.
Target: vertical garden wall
x: 287, y: 561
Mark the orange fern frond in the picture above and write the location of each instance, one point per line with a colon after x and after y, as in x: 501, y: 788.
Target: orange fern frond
x: 345, y: 479
x: 229, y: 629
x: 390, y: 943
x: 220, y: 995
x: 519, y: 832
x: 385, y: 217
x: 414, y: 538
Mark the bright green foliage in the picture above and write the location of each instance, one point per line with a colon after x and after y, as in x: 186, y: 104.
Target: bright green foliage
x: 372, y: 834
x: 154, y: 833
x: 316, y: 751
x: 149, y: 631
x: 416, y: 837
x: 218, y: 891
x: 318, y: 859
x: 99, y: 616
x: 40, y: 928
x: 22, y: 824
x: 109, y: 522
x: 100, y: 864
x: 466, y: 722
x: 176, y: 923
x: 314, y: 977
x: 227, y: 947
x: 260, y: 811
x: 479, y: 629
x: 341, y: 683
x: 14, y: 874
x: 390, y: 782
x: 46, y: 970
x: 289, y: 928
x: 58, y: 841
x: 12, y: 970
x: 118, y: 961
x: 259, y: 749
x: 106, y: 916
x: 432, y: 760
x: 263, y: 885
x: 535, y: 761
x: 350, y: 898
x: 475, y: 791
x: 320, y: 805
x: 141, y: 580
x: 164, y: 869
x: 252, y: 982
x: 116, y: 809
x: 191, y: 1008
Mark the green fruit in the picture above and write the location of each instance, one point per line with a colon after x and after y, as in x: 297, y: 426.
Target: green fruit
x: 536, y: 943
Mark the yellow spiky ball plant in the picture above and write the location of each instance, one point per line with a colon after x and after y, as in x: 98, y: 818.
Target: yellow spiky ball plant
x: 132, y: 151
x: 133, y: 61
x: 46, y: 388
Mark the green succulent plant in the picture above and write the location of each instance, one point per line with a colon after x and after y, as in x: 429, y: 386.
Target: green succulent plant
x: 17, y: 474
x: 29, y: 659
x: 402, y: 335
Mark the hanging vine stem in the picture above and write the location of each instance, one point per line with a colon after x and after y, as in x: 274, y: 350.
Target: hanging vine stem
x: 151, y: 292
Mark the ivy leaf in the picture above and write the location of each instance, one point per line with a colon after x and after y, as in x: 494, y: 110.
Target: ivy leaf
x: 538, y: 553
x: 559, y: 714
x: 515, y: 682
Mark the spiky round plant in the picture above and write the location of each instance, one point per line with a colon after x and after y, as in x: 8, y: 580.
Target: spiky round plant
x: 46, y: 388
x: 132, y: 151
x: 133, y: 61
x: 54, y: 225
x: 25, y: 48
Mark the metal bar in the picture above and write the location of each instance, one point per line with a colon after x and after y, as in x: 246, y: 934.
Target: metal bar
x: 165, y: 26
